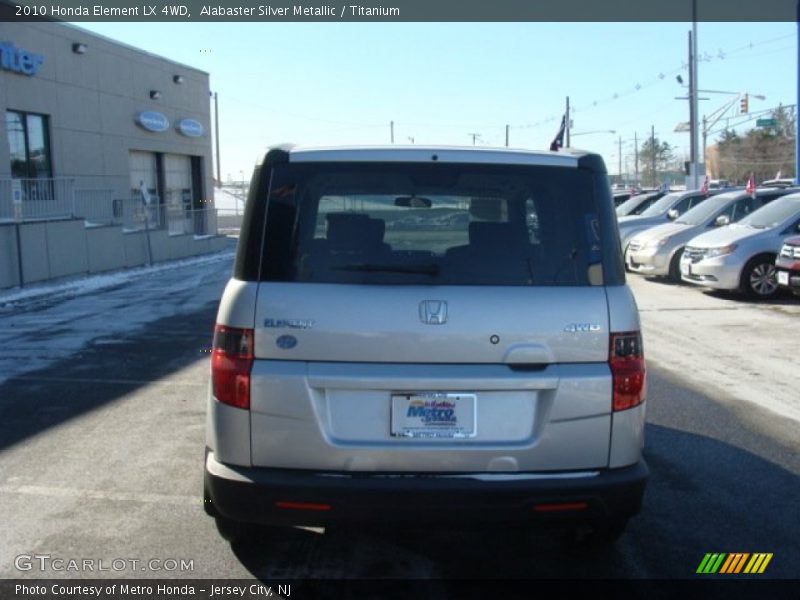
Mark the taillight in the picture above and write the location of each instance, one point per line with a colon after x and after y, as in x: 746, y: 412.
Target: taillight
x: 231, y: 362
x: 626, y: 359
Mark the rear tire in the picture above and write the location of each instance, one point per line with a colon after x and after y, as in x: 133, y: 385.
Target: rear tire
x: 599, y: 535
x: 758, y: 280
x: 228, y: 529
x: 233, y: 531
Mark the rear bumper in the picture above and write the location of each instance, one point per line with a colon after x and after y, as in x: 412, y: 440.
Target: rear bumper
x: 296, y: 497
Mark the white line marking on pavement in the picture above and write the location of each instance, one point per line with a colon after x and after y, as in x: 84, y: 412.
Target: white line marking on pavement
x: 170, y: 382
x: 58, y: 492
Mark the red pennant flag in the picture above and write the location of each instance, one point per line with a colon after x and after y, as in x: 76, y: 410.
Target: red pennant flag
x: 751, y: 186
x: 704, y: 189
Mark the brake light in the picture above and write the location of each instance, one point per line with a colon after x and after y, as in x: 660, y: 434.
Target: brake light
x: 231, y: 362
x: 626, y: 359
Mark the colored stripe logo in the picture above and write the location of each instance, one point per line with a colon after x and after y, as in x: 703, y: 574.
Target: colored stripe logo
x: 734, y: 563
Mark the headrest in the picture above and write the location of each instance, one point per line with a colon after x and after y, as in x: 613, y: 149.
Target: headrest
x: 354, y: 231
x: 489, y: 233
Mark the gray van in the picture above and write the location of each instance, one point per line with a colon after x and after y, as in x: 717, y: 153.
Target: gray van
x: 427, y: 335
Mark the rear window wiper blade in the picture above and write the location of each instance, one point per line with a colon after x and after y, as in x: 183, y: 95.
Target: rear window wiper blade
x: 377, y: 268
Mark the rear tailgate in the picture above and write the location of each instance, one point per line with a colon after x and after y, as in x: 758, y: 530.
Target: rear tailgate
x: 346, y: 377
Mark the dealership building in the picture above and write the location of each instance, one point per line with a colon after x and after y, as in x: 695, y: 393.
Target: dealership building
x: 105, y: 155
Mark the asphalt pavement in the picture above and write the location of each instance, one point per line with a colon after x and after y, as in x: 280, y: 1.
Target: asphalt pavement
x: 101, y: 459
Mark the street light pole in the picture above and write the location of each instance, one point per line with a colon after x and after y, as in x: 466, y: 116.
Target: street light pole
x: 216, y: 137
x: 653, y: 150
x: 692, y: 108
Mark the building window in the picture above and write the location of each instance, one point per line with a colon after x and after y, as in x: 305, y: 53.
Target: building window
x: 29, y: 145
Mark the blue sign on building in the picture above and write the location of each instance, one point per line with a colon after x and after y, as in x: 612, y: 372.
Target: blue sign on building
x: 19, y: 60
x: 152, y: 121
x: 190, y: 128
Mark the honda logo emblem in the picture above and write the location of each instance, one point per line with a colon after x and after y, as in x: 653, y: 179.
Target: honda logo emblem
x: 433, y: 312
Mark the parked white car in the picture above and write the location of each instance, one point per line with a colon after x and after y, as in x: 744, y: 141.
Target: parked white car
x: 657, y: 251
x: 742, y: 256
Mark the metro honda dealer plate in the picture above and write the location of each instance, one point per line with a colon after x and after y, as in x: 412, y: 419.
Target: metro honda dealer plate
x: 434, y: 415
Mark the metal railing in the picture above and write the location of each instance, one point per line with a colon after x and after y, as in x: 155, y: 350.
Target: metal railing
x: 36, y: 199
x: 39, y: 199
x: 229, y: 221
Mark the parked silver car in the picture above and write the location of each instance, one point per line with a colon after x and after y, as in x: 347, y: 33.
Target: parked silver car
x: 481, y: 363
x: 657, y: 251
x: 742, y: 256
x: 667, y: 208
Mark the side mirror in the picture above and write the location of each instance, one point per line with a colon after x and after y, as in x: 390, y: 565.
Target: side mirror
x: 722, y: 220
x: 673, y: 214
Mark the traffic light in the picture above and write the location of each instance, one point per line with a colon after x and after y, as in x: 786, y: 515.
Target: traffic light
x: 743, y: 104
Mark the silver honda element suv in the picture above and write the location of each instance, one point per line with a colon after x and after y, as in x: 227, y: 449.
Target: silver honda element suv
x: 416, y: 334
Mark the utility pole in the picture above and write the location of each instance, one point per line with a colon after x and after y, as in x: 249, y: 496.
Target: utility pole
x: 653, y: 149
x: 216, y: 137
x: 567, y: 124
x: 636, y: 158
x: 475, y: 136
x: 620, y: 159
x: 506, y: 136
x: 692, y: 110
x: 391, y: 131
x: 705, y: 137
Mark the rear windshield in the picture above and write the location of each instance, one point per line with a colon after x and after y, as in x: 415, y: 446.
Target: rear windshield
x: 431, y: 224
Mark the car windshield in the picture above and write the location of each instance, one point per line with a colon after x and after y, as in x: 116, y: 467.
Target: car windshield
x: 662, y: 206
x: 632, y: 204
x: 773, y: 214
x: 705, y: 210
x: 444, y: 224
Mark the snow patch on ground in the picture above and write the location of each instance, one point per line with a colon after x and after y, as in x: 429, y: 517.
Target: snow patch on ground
x: 55, y: 322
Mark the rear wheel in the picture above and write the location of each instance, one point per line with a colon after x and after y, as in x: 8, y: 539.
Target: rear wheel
x: 228, y: 529
x: 233, y: 531
x: 758, y: 277
x: 598, y: 535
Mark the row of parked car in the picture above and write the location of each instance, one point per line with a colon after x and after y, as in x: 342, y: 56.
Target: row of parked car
x: 729, y: 239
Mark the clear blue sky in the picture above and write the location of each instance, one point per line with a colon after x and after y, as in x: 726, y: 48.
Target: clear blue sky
x: 342, y: 83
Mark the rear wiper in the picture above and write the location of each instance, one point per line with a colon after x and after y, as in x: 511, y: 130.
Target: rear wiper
x: 370, y: 268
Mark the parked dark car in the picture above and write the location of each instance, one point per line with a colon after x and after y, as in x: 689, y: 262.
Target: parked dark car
x: 620, y: 197
x: 636, y: 205
x: 787, y: 265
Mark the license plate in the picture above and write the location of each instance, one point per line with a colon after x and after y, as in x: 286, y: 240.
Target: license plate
x: 783, y: 277
x: 443, y: 415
